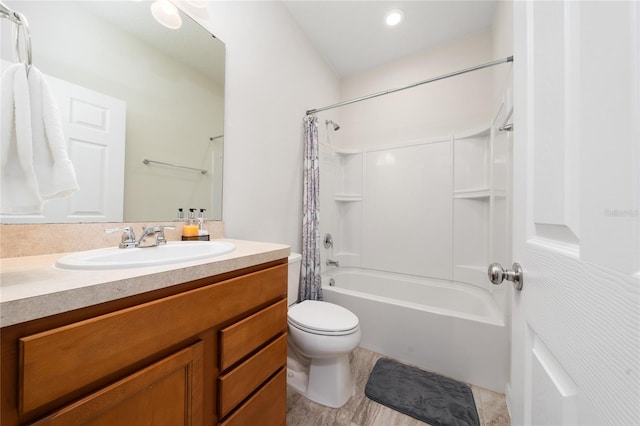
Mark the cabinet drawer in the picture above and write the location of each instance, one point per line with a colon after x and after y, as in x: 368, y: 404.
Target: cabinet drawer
x: 170, y: 389
x: 240, y: 382
x: 59, y: 365
x: 267, y: 406
x: 245, y: 336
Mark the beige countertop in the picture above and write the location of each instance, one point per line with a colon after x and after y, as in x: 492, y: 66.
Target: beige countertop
x: 31, y: 287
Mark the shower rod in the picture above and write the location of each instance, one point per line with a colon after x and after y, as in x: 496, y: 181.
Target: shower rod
x: 419, y: 83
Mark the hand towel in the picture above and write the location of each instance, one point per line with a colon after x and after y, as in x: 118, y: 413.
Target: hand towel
x: 54, y: 170
x: 19, y: 186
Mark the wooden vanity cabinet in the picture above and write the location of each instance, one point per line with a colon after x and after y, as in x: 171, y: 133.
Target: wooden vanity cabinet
x: 201, y: 353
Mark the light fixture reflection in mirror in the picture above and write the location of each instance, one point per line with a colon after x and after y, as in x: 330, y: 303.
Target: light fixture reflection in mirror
x: 166, y: 14
x: 172, y: 83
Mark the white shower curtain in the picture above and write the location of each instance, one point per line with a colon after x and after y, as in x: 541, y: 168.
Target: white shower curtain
x: 310, y: 287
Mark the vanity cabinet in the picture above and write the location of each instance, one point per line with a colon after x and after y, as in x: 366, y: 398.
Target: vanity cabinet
x: 205, y: 352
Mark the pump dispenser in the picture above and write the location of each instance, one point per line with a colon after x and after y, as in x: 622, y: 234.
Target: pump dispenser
x: 190, y: 228
x: 203, y: 234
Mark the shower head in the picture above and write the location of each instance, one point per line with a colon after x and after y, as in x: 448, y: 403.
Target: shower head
x: 336, y: 126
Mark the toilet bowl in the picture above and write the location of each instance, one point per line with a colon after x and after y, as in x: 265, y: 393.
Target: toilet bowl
x: 321, y: 336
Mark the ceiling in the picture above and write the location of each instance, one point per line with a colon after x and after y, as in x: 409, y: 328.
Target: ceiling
x: 191, y: 44
x: 352, y: 36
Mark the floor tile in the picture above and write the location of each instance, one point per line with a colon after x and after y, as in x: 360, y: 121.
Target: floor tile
x: 361, y: 411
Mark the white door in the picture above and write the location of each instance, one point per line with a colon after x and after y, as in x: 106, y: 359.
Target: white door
x: 576, y: 323
x: 94, y: 128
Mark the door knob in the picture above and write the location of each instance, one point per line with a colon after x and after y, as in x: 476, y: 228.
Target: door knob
x: 497, y: 274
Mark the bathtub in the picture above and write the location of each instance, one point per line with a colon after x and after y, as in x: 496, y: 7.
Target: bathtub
x: 446, y: 327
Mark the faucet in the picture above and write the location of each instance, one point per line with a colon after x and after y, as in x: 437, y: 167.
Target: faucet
x: 158, y: 231
x: 331, y: 262
x: 129, y: 237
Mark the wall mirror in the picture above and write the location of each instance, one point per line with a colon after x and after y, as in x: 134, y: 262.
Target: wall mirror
x: 171, y: 85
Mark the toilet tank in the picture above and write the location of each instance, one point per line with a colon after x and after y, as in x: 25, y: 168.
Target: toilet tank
x: 294, y: 277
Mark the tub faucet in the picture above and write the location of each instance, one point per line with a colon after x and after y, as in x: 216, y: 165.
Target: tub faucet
x: 331, y: 262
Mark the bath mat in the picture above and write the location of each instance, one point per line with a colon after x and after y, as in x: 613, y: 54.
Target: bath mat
x: 425, y: 396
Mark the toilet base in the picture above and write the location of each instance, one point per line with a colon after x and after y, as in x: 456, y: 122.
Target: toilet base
x: 327, y: 382
x: 330, y: 381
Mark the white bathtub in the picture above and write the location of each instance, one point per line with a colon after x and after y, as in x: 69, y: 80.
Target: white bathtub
x: 446, y: 327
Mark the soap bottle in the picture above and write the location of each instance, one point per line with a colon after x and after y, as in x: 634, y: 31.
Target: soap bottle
x: 190, y: 228
x: 203, y: 234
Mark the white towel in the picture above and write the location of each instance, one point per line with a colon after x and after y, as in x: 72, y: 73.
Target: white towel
x: 54, y: 170
x: 20, y: 191
x: 35, y: 163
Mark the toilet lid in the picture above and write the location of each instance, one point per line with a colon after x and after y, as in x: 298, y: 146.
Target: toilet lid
x: 319, y: 316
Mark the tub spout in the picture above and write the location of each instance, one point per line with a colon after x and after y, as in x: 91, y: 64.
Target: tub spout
x: 331, y: 262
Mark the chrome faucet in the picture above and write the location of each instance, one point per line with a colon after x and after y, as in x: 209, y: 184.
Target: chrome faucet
x: 331, y: 262
x: 158, y: 231
x: 129, y: 237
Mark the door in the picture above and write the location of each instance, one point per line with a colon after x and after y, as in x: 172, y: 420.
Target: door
x: 575, y: 329
x: 94, y: 129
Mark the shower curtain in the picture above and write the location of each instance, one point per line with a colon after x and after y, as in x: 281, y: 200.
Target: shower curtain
x: 310, y: 288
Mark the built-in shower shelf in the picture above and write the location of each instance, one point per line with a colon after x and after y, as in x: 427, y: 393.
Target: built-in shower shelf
x: 346, y: 152
x: 347, y: 198
x: 472, y: 193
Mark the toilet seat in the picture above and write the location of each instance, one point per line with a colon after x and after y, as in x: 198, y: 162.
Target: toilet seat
x: 324, y: 318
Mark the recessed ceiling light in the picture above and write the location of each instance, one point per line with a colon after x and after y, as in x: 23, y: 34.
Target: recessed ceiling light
x: 394, y: 17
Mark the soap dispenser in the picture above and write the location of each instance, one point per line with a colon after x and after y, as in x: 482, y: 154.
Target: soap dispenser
x: 190, y: 228
x: 203, y: 234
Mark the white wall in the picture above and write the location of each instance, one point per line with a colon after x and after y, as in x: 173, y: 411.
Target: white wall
x: 273, y: 75
x: 502, y: 46
x: 453, y: 105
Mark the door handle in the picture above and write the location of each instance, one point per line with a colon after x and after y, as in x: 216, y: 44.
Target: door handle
x: 497, y: 274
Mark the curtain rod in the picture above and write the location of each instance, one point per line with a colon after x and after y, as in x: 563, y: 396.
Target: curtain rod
x: 431, y: 80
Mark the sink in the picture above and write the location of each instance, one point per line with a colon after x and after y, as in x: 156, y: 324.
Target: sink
x: 166, y: 254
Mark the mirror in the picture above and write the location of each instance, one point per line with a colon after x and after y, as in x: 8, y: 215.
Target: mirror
x: 171, y: 83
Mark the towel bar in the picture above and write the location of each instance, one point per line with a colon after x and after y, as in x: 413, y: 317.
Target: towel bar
x: 146, y: 161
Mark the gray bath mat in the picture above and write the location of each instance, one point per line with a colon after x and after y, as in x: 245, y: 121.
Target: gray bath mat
x: 425, y: 396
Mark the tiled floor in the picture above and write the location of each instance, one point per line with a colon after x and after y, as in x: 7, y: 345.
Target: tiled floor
x: 361, y: 411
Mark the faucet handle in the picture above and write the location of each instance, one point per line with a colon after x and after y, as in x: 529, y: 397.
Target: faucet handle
x: 128, y: 236
x: 160, y: 239
x: 158, y: 230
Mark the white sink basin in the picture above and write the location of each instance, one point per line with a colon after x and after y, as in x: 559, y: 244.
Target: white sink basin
x: 172, y: 252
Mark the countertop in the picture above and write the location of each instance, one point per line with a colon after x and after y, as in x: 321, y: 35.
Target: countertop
x: 31, y: 287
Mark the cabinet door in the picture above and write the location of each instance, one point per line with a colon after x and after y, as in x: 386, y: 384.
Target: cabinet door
x: 168, y: 392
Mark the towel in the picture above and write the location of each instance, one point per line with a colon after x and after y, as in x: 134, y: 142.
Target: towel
x: 54, y: 170
x: 35, y: 165
x: 20, y: 190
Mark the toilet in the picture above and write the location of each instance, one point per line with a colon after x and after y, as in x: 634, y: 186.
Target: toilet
x: 321, y: 336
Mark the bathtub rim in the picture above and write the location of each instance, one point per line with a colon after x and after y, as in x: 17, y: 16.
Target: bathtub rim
x: 497, y: 317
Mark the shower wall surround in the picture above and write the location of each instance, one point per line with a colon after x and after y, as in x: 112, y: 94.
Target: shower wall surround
x: 417, y: 182
x: 433, y: 208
